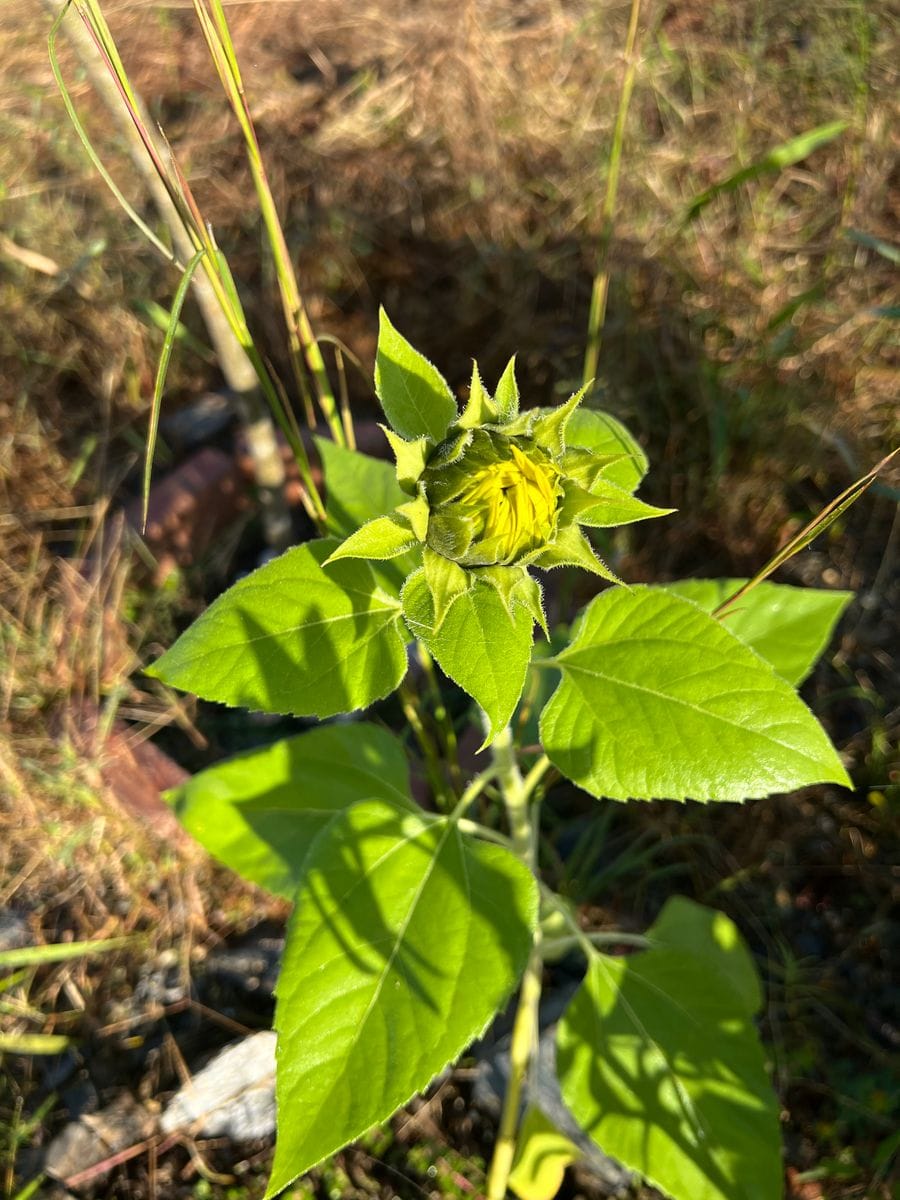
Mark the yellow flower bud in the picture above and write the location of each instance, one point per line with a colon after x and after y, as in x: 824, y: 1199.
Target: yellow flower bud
x: 514, y: 503
x: 499, y: 503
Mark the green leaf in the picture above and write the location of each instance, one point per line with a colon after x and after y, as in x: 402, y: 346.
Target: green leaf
x: 406, y: 938
x: 416, y: 398
x: 417, y: 513
x: 570, y: 548
x: 446, y: 581
x: 515, y: 586
x: 542, y: 1155
x: 479, y: 644
x: 586, y: 468
x: 259, y: 813
x: 293, y: 638
x: 380, y: 539
x: 480, y: 408
x: 709, y: 935
x: 660, y: 701
x: 603, y: 434
x: 659, y: 1060
x: 507, y: 395
x: 790, y: 627
x: 616, y: 506
x: 359, y: 488
x: 410, y: 458
x: 549, y: 429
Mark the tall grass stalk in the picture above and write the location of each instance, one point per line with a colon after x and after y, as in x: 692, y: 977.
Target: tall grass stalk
x: 600, y: 290
x: 214, y: 25
x: 241, y: 361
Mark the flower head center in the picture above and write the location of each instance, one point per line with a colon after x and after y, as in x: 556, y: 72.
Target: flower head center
x: 514, y: 503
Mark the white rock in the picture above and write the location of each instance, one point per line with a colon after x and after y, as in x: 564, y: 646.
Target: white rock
x: 233, y: 1096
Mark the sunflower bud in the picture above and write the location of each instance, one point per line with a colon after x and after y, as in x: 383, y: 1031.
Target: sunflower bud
x: 493, y: 492
x: 495, y: 504
x: 485, y: 495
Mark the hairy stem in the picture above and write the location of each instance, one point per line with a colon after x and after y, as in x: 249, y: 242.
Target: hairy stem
x: 516, y: 793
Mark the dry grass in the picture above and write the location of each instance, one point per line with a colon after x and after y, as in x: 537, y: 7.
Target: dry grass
x: 397, y: 139
x: 448, y: 161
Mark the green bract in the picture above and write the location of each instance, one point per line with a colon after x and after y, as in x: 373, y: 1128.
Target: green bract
x: 488, y: 493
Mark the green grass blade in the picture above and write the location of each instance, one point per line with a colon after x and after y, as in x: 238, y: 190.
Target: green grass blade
x: 162, y: 370
x: 304, y: 347
x: 88, y: 146
x: 37, y: 956
x: 810, y: 532
x: 33, y: 1043
x: 92, y: 15
x: 792, y: 151
x: 159, y: 317
x: 30, y: 1189
x: 885, y: 249
x: 11, y: 981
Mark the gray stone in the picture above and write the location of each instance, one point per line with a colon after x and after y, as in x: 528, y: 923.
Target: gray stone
x: 14, y: 932
x: 97, y: 1136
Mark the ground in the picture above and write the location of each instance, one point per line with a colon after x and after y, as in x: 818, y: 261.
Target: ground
x: 450, y: 162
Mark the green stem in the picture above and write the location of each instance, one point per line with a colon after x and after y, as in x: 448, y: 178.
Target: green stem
x: 441, y: 716
x: 562, y: 945
x: 516, y: 793
x: 469, y: 796
x: 430, y: 755
x: 524, y: 1038
x: 476, y: 829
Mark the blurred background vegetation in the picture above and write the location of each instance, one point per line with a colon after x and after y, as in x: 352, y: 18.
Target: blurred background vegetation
x: 449, y: 160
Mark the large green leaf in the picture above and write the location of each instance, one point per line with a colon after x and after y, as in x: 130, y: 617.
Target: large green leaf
x: 659, y: 1060
x: 358, y: 487
x: 406, y: 938
x: 788, y: 626
x: 294, y: 638
x: 479, y: 644
x: 416, y: 398
x: 659, y: 700
x: 259, y: 813
x: 602, y: 433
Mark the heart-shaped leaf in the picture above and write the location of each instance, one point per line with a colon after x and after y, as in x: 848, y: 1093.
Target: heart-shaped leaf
x: 293, y: 637
x: 259, y: 813
x: 660, y: 1062
x: 406, y: 938
x: 660, y: 701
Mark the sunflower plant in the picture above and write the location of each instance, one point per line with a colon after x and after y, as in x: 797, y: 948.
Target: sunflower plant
x: 414, y: 919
